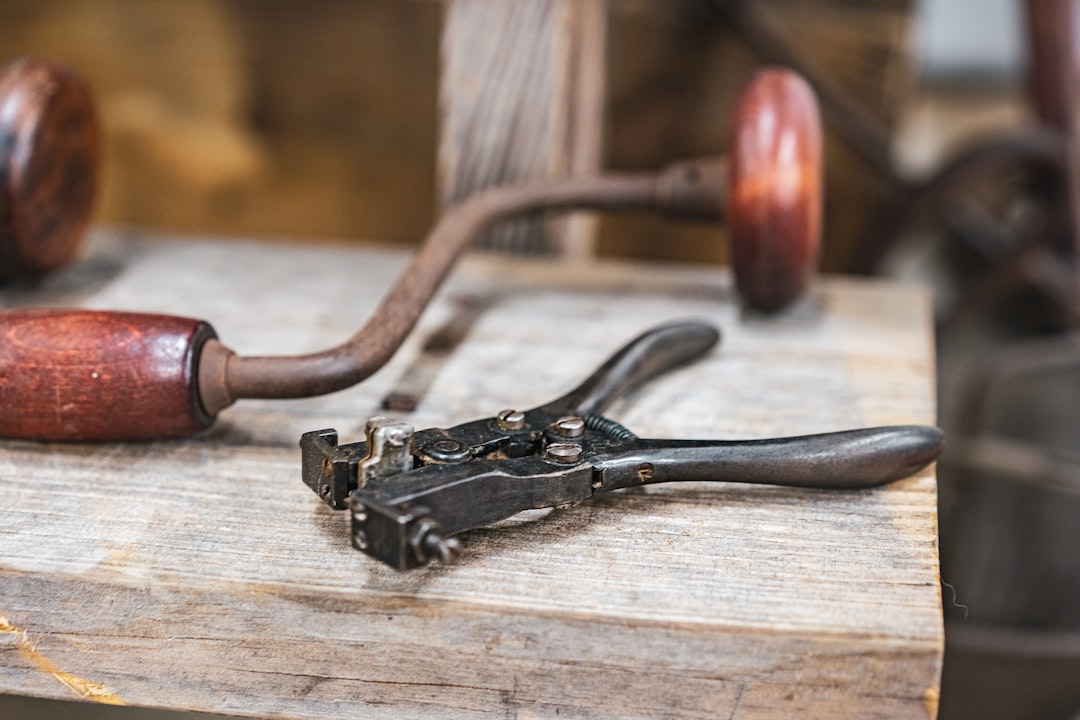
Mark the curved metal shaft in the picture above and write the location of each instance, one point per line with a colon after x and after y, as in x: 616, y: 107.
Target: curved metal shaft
x: 369, y: 349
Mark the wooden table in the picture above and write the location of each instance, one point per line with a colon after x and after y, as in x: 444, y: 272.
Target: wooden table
x: 203, y: 574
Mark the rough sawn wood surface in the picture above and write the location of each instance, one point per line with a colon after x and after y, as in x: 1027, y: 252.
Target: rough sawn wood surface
x: 203, y: 574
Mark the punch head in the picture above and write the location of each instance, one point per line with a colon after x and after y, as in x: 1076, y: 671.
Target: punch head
x: 775, y: 189
x: 48, y: 166
x: 89, y: 375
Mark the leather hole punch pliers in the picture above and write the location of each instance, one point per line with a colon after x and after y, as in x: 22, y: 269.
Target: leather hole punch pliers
x: 409, y: 492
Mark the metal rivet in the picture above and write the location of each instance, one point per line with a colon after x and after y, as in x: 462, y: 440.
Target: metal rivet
x: 446, y: 450
x: 563, y: 453
x: 511, y: 420
x: 359, y: 540
x: 570, y: 426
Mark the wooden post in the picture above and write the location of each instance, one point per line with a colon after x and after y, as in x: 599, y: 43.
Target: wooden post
x: 522, y: 96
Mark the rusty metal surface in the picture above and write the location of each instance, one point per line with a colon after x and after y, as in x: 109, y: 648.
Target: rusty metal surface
x: 370, y: 348
x: 694, y: 190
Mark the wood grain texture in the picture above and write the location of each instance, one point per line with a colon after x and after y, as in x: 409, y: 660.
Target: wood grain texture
x: 86, y: 375
x: 201, y: 573
x: 522, y: 96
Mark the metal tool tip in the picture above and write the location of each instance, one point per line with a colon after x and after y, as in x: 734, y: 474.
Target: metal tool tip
x: 447, y: 550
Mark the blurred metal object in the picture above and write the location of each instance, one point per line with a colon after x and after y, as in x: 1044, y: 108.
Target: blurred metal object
x: 994, y: 223
x: 1004, y: 212
x: 1003, y: 216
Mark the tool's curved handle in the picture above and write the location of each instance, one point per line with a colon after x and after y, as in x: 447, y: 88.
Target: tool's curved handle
x: 91, y: 375
x: 842, y: 460
x: 650, y: 354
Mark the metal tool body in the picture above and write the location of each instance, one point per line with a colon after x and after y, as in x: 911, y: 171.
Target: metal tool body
x: 409, y: 492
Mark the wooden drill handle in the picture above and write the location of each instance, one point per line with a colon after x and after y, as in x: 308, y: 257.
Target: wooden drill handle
x: 90, y: 375
x: 775, y: 189
x: 48, y: 166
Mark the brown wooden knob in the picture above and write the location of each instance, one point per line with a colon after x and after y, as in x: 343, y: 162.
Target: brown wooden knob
x: 775, y: 189
x: 89, y: 375
x: 48, y: 165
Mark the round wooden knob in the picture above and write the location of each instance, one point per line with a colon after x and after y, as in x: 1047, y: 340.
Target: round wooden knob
x: 775, y: 189
x: 48, y: 165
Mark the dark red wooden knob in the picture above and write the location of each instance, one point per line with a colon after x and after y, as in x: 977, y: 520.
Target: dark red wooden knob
x: 89, y: 375
x: 48, y: 165
x: 775, y: 189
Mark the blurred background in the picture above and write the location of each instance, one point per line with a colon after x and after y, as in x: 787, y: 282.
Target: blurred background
x: 321, y: 119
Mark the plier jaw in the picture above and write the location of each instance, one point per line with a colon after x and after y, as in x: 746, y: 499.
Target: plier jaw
x: 407, y: 527
x: 404, y: 512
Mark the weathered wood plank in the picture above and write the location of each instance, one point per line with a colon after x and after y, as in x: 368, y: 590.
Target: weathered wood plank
x: 202, y: 574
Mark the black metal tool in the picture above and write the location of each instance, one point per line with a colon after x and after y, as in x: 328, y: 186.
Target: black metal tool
x: 409, y: 492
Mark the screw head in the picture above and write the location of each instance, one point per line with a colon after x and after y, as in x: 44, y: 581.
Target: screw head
x: 511, y: 420
x: 563, y: 453
x: 570, y: 426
